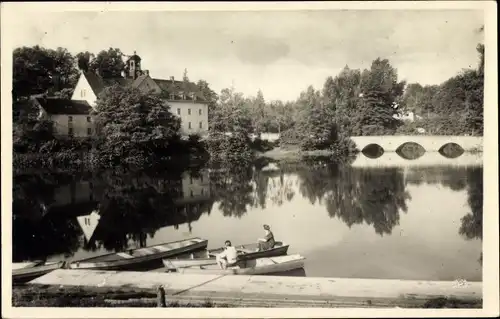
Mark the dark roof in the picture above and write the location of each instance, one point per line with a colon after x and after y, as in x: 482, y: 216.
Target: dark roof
x: 64, y: 106
x: 175, y: 87
x: 98, y: 83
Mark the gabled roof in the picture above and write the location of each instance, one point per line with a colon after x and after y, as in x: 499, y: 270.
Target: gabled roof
x: 64, y: 106
x: 98, y: 83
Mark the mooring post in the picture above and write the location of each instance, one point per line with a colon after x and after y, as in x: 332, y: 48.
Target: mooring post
x: 160, y: 296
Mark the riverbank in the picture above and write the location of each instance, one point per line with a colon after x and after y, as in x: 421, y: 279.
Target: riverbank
x: 52, y: 296
x: 290, y: 153
x: 262, y: 291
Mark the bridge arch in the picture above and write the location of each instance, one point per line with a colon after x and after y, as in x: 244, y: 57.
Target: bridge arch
x: 390, y: 143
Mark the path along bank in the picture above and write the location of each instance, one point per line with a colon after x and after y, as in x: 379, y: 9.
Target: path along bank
x: 268, y: 291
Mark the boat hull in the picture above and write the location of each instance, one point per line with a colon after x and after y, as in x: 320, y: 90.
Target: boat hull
x: 261, y: 266
x: 278, y: 250
x: 134, y: 262
x: 26, y: 274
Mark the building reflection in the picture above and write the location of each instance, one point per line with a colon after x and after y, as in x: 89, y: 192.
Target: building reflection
x: 113, y: 211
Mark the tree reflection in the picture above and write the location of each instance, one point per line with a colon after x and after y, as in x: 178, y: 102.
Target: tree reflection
x: 472, y: 223
x: 231, y: 185
x: 271, y: 183
x: 135, y: 205
x: 452, y: 177
x: 356, y: 196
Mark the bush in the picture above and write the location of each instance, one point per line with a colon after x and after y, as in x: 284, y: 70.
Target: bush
x: 223, y: 147
x: 289, y: 137
x: 260, y: 145
x: 344, y: 146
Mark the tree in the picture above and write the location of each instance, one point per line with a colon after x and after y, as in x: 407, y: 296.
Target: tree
x: 230, y: 128
x: 83, y: 60
x: 210, y: 96
x: 381, y: 92
x: 109, y: 63
x: 341, y: 95
x: 316, y: 124
x: 230, y: 114
x: 39, y: 70
x: 257, y: 109
x: 135, y: 126
x: 281, y: 114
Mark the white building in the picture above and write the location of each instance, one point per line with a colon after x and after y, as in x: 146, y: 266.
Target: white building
x: 184, y: 98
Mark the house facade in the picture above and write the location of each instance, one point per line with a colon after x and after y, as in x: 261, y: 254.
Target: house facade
x: 184, y: 97
x: 71, y: 118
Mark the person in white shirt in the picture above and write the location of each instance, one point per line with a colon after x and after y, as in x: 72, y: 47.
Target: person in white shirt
x: 229, y: 257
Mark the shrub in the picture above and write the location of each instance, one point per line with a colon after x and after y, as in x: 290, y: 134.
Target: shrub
x: 223, y: 147
x: 260, y: 145
x: 289, y: 137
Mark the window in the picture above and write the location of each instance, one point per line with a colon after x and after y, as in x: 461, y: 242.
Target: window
x: 89, y: 119
x: 70, y: 131
x: 201, y: 124
x: 89, y: 131
x: 202, y: 191
x: 83, y: 93
x: 70, y: 119
x: 178, y: 111
x: 192, y: 193
x: 172, y: 96
x: 189, y: 111
x: 201, y: 178
x: 189, y: 125
x: 199, y: 111
x: 191, y: 179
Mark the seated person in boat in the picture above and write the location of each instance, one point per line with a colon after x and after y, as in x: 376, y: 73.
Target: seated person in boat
x: 229, y: 257
x: 268, y: 241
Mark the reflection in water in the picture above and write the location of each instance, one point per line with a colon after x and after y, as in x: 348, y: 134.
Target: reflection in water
x: 373, y: 151
x: 451, y: 150
x: 62, y: 214
x: 410, y: 150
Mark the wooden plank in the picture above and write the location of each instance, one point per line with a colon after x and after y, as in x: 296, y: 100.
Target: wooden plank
x: 124, y: 255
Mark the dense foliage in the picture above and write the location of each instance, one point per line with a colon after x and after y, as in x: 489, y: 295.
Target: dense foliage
x: 134, y: 128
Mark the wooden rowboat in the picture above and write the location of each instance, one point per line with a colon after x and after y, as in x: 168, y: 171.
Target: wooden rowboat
x: 26, y: 271
x: 140, y: 256
x: 249, y: 251
x: 245, y: 252
x: 260, y: 266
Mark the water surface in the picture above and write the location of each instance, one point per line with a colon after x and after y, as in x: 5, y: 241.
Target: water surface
x: 394, y: 222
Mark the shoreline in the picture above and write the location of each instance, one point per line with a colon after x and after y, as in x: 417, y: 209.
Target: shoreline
x: 125, y: 288
x: 53, y: 296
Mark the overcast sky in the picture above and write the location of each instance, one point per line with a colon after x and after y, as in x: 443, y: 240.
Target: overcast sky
x: 280, y: 53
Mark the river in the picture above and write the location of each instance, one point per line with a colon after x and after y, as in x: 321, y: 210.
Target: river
x: 393, y: 221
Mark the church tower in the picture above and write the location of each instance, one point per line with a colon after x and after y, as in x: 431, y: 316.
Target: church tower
x: 133, y: 66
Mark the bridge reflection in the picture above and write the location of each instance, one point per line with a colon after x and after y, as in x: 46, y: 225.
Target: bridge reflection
x: 391, y: 159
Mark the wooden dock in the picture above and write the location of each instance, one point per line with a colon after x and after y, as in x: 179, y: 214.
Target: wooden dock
x: 268, y: 290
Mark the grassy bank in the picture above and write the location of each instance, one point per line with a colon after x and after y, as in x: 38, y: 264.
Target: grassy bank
x: 36, y: 296
x: 49, y: 296
x: 292, y: 152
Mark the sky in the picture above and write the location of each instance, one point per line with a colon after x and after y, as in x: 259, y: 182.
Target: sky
x: 278, y: 52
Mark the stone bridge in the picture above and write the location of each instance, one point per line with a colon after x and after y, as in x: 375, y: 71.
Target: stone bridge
x: 390, y: 143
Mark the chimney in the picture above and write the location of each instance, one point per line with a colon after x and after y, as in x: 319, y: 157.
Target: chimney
x: 172, y: 79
